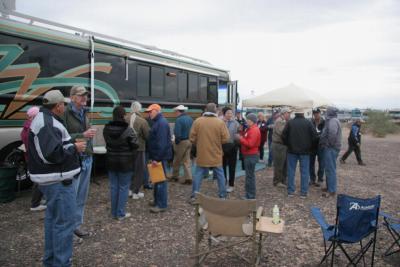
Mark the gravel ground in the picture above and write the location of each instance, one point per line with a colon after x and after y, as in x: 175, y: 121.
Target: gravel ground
x: 167, y: 239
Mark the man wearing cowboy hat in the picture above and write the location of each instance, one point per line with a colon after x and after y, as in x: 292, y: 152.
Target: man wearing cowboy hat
x: 182, y: 146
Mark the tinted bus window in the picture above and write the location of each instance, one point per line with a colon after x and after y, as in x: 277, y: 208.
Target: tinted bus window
x: 203, y: 88
x: 183, y: 85
x: 157, y: 82
x: 171, y: 84
x: 212, y: 96
x: 143, y: 80
x: 193, y: 87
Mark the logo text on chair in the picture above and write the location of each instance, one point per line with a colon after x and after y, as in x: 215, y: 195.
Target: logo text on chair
x: 356, y: 206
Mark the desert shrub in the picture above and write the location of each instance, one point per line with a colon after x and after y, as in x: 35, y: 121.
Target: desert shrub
x: 380, y: 124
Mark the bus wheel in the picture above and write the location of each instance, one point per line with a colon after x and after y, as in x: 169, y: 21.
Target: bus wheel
x: 12, y: 155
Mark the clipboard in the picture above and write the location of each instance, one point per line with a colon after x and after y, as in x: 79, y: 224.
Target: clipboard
x: 156, y: 173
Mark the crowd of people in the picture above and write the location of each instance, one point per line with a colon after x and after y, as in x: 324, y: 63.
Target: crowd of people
x: 59, y: 144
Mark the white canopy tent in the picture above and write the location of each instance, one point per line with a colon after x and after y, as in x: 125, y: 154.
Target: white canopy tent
x: 291, y: 95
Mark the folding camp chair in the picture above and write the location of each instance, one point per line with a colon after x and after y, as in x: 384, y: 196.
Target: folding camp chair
x: 229, y: 218
x: 393, y: 226
x: 356, y: 219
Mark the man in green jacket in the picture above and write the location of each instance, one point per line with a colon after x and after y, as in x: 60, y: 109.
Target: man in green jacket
x: 77, y: 123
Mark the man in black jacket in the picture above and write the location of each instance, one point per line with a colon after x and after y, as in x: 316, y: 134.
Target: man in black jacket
x: 299, y: 135
x: 318, y: 122
x: 53, y: 165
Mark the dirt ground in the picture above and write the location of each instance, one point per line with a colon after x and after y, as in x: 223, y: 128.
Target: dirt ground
x: 167, y: 239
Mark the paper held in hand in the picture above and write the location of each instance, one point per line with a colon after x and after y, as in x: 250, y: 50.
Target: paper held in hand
x: 156, y: 173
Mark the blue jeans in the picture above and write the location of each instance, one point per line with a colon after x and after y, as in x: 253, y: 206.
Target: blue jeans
x: 330, y: 157
x: 161, y: 191
x: 250, y: 162
x: 119, y: 189
x: 59, y: 224
x: 82, y: 189
x: 304, y: 160
x: 200, y: 172
x: 321, y: 169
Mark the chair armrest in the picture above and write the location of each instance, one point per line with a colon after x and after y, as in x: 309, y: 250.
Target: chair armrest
x: 387, y: 216
x: 319, y: 217
x: 259, y: 213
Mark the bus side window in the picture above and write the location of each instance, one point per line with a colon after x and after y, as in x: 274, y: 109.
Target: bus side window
x: 193, y: 87
x: 157, y: 82
x: 203, y: 88
x: 183, y: 85
x: 143, y: 80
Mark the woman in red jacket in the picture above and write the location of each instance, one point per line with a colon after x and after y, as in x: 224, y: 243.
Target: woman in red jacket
x: 250, y: 142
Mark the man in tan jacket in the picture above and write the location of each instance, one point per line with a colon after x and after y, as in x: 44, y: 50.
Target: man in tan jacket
x: 208, y: 133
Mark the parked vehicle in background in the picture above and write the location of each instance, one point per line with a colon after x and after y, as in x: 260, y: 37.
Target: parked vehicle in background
x: 35, y: 59
x: 356, y: 114
x: 394, y: 114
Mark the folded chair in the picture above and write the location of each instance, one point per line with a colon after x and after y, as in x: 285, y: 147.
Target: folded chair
x: 217, y: 218
x: 356, y: 220
x: 393, y: 226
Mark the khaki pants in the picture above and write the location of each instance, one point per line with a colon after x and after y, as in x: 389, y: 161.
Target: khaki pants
x: 280, y: 170
x: 182, y: 156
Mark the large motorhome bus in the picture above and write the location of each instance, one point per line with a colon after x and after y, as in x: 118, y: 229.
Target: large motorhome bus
x: 37, y: 55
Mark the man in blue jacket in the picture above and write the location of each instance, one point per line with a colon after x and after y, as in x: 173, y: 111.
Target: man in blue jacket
x: 182, y: 146
x: 160, y: 150
x: 354, y: 143
x: 53, y: 165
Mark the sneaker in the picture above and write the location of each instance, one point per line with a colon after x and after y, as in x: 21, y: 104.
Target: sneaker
x: 157, y: 209
x: 39, y: 208
x: 280, y: 185
x: 127, y: 215
x: 329, y: 194
x: 192, y: 201
x: 229, y: 189
x: 152, y: 203
x: 303, y: 196
x: 130, y: 193
x: 290, y: 195
x: 139, y: 195
x: 362, y: 163
x: 81, y: 233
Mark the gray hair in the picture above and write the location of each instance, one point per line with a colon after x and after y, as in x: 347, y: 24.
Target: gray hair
x: 211, y: 107
x: 136, y: 106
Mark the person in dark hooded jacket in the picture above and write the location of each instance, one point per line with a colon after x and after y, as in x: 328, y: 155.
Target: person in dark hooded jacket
x: 121, y: 144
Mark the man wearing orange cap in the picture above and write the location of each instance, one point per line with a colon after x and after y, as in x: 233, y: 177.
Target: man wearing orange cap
x: 160, y: 150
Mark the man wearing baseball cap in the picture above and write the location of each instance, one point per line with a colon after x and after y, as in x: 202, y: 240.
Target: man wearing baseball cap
x: 160, y: 150
x: 54, y: 164
x: 182, y: 146
x: 77, y: 123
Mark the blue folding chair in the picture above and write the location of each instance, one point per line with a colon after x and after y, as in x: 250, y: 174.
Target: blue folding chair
x: 393, y: 226
x: 356, y: 219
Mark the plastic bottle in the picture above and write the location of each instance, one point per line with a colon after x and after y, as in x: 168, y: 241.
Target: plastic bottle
x: 275, y: 215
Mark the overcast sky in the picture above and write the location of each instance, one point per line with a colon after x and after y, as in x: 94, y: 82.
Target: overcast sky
x: 348, y: 51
